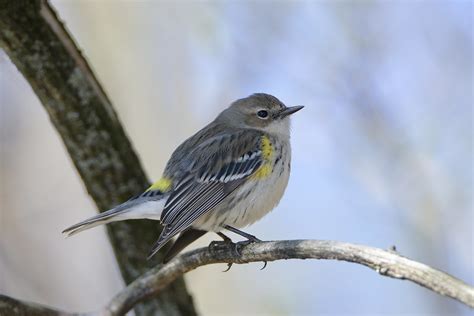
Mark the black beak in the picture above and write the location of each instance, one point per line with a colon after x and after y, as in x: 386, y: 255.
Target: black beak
x: 290, y: 110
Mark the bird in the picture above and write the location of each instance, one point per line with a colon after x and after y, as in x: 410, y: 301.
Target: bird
x: 225, y: 177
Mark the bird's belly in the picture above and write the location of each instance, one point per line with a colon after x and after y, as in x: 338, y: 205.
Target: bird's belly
x: 249, y: 203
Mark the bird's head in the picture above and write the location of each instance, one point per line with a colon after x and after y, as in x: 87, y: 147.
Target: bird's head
x: 260, y: 111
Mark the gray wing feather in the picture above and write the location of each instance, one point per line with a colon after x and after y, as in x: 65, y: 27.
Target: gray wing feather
x: 207, y: 185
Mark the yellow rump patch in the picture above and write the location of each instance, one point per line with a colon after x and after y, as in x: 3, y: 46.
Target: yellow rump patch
x: 163, y: 185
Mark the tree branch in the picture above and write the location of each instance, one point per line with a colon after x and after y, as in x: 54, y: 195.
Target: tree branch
x: 13, y: 307
x: 386, y: 263
x: 43, y: 51
x: 155, y: 281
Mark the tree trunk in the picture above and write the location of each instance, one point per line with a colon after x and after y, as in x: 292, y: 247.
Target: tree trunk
x: 42, y: 50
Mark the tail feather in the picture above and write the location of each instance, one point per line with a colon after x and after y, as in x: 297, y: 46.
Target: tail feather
x: 133, y: 209
x: 184, y: 239
x: 102, y: 218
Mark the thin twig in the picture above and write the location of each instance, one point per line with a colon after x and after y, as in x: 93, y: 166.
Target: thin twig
x: 385, y: 262
x: 152, y: 283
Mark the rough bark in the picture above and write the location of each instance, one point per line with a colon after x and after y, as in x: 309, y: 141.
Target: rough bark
x: 42, y: 50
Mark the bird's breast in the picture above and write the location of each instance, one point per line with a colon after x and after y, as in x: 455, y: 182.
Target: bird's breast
x: 256, y: 197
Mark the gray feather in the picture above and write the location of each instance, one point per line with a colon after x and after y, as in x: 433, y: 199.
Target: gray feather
x: 132, y: 209
x: 219, y: 167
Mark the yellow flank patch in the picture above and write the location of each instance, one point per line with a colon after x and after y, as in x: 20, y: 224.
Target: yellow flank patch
x: 164, y: 184
x: 267, y: 148
x: 267, y: 152
x: 263, y: 172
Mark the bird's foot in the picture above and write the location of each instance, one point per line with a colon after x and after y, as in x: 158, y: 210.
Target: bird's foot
x: 251, y: 240
x: 215, y: 244
x: 238, y: 246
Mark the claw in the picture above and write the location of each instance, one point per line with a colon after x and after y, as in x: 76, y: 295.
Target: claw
x: 240, y: 244
x: 264, y: 265
x: 229, y: 265
x: 237, y: 250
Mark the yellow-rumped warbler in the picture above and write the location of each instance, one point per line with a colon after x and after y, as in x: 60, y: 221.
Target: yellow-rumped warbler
x: 229, y: 174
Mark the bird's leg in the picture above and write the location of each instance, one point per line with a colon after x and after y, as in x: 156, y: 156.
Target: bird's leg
x: 224, y: 237
x: 225, y: 240
x: 239, y: 245
x: 250, y: 239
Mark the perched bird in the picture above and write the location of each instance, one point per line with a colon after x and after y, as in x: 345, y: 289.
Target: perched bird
x: 226, y: 176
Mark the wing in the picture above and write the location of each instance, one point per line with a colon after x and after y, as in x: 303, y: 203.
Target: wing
x: 209, y: 182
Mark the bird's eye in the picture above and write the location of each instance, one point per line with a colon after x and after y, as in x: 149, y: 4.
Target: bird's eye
x: 262, y: 114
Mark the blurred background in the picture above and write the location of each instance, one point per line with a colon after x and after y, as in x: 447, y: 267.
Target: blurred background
x: 382, y: 152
